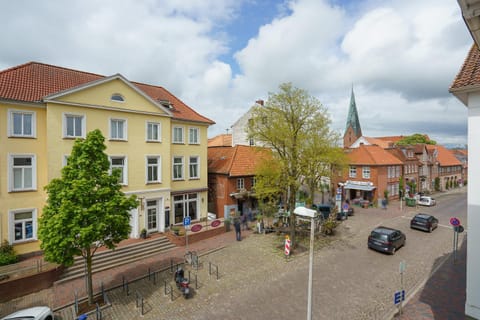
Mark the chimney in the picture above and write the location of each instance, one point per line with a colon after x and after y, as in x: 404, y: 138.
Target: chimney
x: 260, y: 102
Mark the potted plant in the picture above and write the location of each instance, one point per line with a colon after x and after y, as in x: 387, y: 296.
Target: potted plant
x: 176, y: 230
x: 143, y: 233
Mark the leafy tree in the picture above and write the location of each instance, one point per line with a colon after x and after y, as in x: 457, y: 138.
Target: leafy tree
x: 319, y: 156
x: 401, y: 189
x: 267, y: 186
x: 415, y: 139
x: 292, y: 123
x: 437, y: 184
x: 85, y: 208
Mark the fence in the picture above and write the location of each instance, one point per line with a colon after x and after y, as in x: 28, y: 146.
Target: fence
x: 27, y: 267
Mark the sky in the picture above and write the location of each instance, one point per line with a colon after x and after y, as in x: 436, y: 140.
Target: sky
x: 220, y: 56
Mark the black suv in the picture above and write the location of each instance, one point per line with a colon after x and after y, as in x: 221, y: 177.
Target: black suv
x: 386, y: 239
x: 424, y: 221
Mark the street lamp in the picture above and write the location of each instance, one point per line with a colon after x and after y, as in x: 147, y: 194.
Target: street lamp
x: 309, y: 213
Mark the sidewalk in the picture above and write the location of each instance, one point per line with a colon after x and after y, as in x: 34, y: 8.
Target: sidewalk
x: 61, y: 295
x: 443, y: 295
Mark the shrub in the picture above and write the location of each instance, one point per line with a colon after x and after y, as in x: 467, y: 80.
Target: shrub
x: 330, y: 224
x: 7, y: 254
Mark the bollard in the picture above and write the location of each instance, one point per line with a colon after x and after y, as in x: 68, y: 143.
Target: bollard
x: 76, y: 301
x: 98, y: 312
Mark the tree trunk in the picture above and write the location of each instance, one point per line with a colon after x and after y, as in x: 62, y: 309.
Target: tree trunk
x: 89, y: 278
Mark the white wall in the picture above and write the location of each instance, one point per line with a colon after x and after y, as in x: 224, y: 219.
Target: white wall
x: 472, y: 303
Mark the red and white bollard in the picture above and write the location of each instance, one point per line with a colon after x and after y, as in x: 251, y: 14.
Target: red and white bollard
x: 287, y: 246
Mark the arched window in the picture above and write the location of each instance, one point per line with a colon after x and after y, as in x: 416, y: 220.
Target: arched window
x: 117, y: 97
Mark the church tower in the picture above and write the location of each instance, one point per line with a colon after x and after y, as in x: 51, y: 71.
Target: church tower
x: 353, y: 130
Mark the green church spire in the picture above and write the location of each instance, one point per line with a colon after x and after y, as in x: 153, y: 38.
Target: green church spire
x: 352, y: 119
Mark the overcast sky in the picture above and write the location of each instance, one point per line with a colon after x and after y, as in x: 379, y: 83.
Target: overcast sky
x: 219, y: 56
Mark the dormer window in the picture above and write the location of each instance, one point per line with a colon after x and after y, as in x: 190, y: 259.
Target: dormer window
x: 117, y: 97
x: 166, y: 104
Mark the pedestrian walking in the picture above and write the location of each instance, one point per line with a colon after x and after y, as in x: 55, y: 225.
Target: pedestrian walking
x: 384, y: 204
x: 238, y: 228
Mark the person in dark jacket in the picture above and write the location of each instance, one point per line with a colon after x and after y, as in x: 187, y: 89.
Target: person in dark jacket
x: 238, y: 228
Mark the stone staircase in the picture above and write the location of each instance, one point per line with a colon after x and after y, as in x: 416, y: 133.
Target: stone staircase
x: 108, y: 259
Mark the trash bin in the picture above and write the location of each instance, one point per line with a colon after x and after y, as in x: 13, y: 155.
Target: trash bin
x: 411, y: 202
x: 227, y: 225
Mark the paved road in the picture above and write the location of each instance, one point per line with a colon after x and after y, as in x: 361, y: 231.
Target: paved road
x: 257, y: 282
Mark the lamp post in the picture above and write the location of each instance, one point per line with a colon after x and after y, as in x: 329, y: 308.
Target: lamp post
x: 309, y: 213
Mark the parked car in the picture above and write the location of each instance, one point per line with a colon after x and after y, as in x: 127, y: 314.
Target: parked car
x: 35, y: 313
x: 424, y: 221
x: 386, y: 239
x: 426, y: 201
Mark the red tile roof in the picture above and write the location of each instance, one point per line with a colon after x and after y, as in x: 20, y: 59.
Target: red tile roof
x: 371, y: 155
x: 236, y: 161
x: 221, y: 140
x: 379, y: 142
x: 33, y: 81
x: 469, y: 74
x: 444, y: 156
x: 393, y: 139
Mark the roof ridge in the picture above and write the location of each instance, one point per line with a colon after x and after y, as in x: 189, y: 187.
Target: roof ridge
x: 16, y: 67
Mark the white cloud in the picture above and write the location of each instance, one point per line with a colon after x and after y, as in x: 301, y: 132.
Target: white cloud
x: 401, y: 55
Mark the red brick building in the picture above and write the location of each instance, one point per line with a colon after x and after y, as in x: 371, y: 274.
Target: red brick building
x: 231, y: 178
x: 372, y: 171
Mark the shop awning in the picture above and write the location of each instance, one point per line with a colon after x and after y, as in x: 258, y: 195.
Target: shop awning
x: 357, y: 186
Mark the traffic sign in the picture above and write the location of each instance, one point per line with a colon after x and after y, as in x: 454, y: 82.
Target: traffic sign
x: 454, y: 221
x: 458, y: 229
x: 186, y: 221
x: 399, y: 296
x: 345, y: 207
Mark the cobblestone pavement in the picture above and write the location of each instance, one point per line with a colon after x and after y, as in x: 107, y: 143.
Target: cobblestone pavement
x: 257, y: 282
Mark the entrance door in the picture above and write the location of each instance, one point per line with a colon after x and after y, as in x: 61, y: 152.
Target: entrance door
x: 134, y: 223
x: 155, y: 219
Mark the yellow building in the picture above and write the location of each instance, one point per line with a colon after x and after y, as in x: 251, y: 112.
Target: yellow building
x: 158, y: 142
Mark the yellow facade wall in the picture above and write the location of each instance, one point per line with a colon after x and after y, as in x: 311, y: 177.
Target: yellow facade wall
x: 93, y: 103
x: 21, y: 146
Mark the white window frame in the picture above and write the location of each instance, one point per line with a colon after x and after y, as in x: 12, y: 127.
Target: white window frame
x: 195, y: 131
x: 11, y: 225
x: 182, y: 168
x: 117, y: 97
x: 196, y: 164
x: 352, y: 172
x: 65, y: 160
x: 366, y: 172
x: 159, y: 131
x: 11, y: 124
x: 175, y: 136
x: 83, y: 125
x: 11, y: 174
x: 159, y: 168
x: 124, y: 131
x: 240, y: 183
x: 182, y: 205
x: 124, y: 176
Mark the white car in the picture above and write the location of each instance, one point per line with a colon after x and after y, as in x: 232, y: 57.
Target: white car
x: 35, y: 313
x: 426, y: 201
